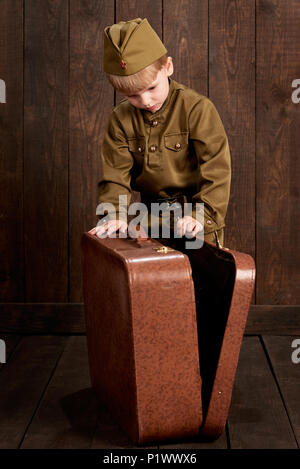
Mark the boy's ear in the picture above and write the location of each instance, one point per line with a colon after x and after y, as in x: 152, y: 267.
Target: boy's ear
x: 170, y: 67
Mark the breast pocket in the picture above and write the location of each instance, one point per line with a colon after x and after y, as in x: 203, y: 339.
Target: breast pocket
x: 137, y: 148
x: 177, y: 149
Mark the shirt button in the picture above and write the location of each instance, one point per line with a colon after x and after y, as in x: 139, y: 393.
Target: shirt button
x: 209, y: 222
x: 177, y: 146
x: 152, y: 148
x: 154, y: 123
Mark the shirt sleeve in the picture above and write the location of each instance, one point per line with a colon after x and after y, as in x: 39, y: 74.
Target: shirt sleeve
x: 117, y: 162
x: 211, y: 147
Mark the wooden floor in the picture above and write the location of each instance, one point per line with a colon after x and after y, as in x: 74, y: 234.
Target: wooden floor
x: 46, y: 400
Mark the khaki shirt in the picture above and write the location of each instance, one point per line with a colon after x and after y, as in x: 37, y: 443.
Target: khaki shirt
x: 181, y: 149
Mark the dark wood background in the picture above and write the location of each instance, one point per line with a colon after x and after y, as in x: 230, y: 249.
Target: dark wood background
x: 243, y: 54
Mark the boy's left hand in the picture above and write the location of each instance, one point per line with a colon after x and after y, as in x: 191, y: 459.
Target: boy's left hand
x: 190, y: 224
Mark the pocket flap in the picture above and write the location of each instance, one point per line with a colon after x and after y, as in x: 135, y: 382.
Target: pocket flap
x: 176, y: 142
x: 137, y: 145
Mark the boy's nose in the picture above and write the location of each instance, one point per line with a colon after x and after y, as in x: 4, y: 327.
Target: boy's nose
x: 145, y: 99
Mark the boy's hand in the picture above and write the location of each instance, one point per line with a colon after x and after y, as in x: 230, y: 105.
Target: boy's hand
x: 188, y: 223
x: 108, y: 228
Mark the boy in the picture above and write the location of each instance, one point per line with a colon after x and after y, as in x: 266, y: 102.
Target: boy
x: 164, y: 140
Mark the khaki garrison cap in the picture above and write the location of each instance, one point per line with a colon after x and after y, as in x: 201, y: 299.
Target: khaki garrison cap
x: 130, y: 46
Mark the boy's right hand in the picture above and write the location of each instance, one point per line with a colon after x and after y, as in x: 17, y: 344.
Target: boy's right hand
x: 109, y: 227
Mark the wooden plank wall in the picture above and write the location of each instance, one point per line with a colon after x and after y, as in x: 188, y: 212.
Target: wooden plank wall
x: 45, y: 156
x: 277, y: 157
x: 12, y: 281
x: 243, y: 54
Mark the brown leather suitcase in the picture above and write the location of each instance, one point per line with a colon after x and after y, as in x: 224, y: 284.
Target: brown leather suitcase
x: 224, y: 282
x: 142, y: 336
x: 152, y: 314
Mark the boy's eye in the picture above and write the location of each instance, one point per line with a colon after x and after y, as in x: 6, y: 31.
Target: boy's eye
x: 135, y: 96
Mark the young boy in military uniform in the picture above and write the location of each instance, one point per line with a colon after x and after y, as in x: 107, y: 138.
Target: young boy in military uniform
x: 164, y: 139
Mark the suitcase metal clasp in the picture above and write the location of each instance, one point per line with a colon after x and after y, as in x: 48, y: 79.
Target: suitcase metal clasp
x: 163, y: 249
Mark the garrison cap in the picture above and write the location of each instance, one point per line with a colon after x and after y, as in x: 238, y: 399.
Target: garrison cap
x: 130, y: 46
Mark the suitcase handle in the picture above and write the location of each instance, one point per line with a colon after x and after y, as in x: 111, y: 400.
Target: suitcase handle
x: 140, y: 237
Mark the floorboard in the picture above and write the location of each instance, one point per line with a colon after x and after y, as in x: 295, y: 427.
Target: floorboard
x: 110, y: 435
x: 70, y: 416
x: 46, y: 399
x: 257, y: 416
x: 23, y: 380
x: 11, y: 341
x: 67, y: 414
x: 196, y: 443
x: 287, y: 374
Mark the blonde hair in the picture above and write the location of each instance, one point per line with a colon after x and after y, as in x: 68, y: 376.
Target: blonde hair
x: 138, y: 81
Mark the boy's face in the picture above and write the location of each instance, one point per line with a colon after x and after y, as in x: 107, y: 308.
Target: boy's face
x: 156, y: 93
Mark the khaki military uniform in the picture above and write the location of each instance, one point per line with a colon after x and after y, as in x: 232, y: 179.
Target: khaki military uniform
x: 181, y: 149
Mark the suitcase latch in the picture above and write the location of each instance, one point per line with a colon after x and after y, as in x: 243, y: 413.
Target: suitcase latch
x: 163, y: 249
